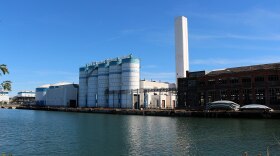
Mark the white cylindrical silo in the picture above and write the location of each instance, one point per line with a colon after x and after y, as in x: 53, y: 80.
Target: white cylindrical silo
x: 115, y: 71
x: 103, y: 84
x: 92, y: 85
x: 83, y: 87
x: 130, y: 80
x: 40, y: 95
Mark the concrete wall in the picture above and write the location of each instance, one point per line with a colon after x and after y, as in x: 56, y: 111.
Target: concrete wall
x: 61, y: 95
x: 4, y: 97
x: 162, y: 100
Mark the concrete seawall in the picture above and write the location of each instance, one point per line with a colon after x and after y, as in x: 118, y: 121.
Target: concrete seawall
x: 156, y: 112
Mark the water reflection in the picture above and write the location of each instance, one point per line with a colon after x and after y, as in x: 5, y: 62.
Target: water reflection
x: 58, y: 133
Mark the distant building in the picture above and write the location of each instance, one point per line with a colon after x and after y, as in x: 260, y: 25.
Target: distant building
x: 4, y: 97
x: 40, y: 95
x: 257, y: 84
x: 25, y: 98
x: 157, y: 94
x: 60, y: 94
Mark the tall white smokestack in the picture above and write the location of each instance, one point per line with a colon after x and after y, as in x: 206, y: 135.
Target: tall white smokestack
x: 181, y: 46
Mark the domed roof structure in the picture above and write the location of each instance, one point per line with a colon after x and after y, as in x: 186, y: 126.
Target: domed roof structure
x: 222, y: 105
x: 256, y: 107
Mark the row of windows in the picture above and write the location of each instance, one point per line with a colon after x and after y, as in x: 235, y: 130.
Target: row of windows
x: 243, y: 80
x: 246, y: 94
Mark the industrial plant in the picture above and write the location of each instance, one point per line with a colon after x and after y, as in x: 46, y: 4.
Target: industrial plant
x: 115, y: 83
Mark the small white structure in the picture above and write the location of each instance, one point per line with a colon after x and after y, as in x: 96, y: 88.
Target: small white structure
x: 256, y: 107
x: 158, y: 98
x: 40, y: 94
x: 26, y: 94
x: 181, y: 46
x: 222, y: 105
x: 62, y: 94
x: 4, y: 96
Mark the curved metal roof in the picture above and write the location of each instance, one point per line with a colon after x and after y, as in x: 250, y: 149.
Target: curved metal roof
x: 255, y: 106
x: 222, y: 105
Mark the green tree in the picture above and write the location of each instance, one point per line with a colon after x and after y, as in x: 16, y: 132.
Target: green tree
x: 6, y: 85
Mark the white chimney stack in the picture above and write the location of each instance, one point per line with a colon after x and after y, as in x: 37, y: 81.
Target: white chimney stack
x: 181, y: 46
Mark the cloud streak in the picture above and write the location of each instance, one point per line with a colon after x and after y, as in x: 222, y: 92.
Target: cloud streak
x: 223, y: 61
x: 236, y: 36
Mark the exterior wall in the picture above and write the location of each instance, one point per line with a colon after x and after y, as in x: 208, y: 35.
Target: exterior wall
x: 61, y: 95
x: 103, y: 85
x: 26, y: 94
x: 162, y: 100
x: 4, y: 97
x: 115, y: 77
x: 260, y: 86
x: 130, y: 81
x: 40, y: 95
x: 83, y: 87
x: 92, y: 86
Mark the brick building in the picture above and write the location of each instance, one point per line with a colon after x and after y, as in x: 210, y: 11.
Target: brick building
x: 244, y: 85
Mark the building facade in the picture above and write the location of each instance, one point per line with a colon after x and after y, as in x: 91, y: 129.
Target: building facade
x: 258, y: 84
x: 61, y: 94
x: 25, y: 98
x: 4, y: 97
x: 157, y: 95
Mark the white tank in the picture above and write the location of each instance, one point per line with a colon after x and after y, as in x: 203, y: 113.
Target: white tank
x: 115, y: 71
x: 130, y: 80
x: 40, y: 95
x: 103, y: 84
x: 92, y: 85
x: 83, y: 87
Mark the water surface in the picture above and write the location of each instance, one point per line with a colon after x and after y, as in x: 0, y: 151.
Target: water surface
x: 28, y: 132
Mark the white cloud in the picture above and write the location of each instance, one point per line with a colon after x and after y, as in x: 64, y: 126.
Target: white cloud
x: 237, y: 36
x: 246, y: 61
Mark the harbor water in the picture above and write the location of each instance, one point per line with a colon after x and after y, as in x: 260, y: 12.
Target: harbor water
x: 28, y: 132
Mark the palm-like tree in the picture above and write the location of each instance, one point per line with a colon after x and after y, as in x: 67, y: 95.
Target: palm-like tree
x: 6, y: 85
x: 4, y: 69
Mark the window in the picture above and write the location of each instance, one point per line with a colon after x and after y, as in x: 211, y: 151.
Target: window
x: 202, y: 83
x: 211, y: 96
x: 234, y: 95
x: 202, y: 98
x: 246, y: 80
x: 234, y: 80
x: 211, y: 82
x: 222, y: 81
x: 274, y: 95
x: 273, y: 78
x: 260, y: 96
x: 259, y: 78
x: 223, y: 94
x: 247, y: 96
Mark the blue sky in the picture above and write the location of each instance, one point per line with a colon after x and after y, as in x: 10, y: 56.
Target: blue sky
x: 47, y: 41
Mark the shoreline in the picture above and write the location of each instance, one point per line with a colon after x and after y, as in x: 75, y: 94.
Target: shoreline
x: 170, y: 113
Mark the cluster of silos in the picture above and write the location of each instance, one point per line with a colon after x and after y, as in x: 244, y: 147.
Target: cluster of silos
x: 111, y: 83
